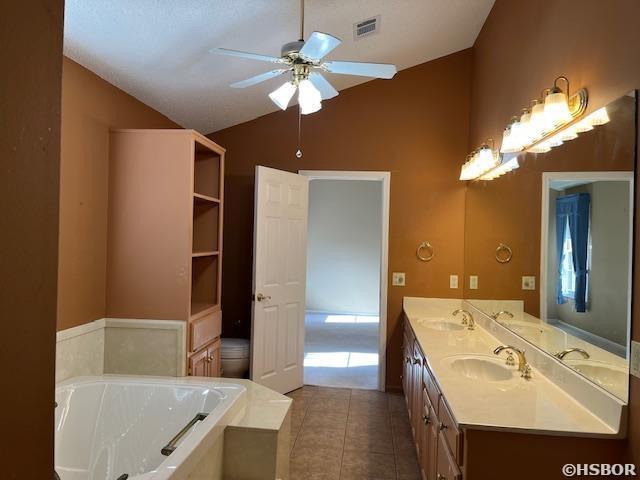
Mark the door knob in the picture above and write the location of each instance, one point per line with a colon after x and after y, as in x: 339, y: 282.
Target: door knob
x: 260, y: 297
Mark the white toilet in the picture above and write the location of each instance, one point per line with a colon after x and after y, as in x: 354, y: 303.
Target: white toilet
x: 234, y: 357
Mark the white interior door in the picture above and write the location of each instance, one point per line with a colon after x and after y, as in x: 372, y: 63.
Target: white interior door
x: 279, y: 279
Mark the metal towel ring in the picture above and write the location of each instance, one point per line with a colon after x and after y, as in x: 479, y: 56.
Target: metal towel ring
x: 502, y: 258
x: 422, y: 246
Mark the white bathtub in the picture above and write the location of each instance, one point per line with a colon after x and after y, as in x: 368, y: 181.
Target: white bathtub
x: 109, y: 426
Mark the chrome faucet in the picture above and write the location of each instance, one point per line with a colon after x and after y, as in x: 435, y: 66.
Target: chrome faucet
x: 523, y: 367
x: 467, y: 318
x: 502, y: 312
x: 564, y: 353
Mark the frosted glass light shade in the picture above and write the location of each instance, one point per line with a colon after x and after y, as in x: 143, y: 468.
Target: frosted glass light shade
x: 518, y: 136
x: 556, y: 108
x: 309, y: 97
x: 583, y: 125
x: 539, y: 122
x: 599, y: 117
x: 283, y: 95
x: 507, y: 144
x: 568, y: 134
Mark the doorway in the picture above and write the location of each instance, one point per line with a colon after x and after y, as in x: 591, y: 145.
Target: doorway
x: 347, y: 243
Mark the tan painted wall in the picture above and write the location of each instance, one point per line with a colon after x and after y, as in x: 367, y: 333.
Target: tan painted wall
x: 524, y: 45
x: 414, y: 126
x: 90, y: 107
x: 31, y: 58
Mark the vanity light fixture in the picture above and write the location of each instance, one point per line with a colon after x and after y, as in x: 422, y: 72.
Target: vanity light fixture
x: 507, y: 165
x: 480, y: 161
x: 556, y: 104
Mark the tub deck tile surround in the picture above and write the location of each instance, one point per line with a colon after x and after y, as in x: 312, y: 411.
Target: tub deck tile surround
x: 350, y: 434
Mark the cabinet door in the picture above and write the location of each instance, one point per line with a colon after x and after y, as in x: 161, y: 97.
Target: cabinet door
x: 213, y: 355
x: 447, y: 468
x: 429, y: 438
x: 199, y: 364
x: 416, y: 404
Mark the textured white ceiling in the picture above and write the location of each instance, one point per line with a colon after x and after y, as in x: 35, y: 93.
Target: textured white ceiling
x: 157, y: 50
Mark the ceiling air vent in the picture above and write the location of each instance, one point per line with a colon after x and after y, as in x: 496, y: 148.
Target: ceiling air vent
x: 366, y: 28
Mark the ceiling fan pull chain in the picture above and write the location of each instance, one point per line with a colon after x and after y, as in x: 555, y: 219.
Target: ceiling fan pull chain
x: 299, y: 152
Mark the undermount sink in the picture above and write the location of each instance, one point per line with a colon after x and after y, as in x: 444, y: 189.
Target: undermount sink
x: 441, y: 324
x: 609, y: 376
x: 480, y: 367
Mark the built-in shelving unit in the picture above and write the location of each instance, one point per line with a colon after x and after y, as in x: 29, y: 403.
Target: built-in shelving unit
x: 165, y: 235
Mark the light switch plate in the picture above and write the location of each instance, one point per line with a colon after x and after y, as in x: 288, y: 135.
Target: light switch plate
x: 635, y: 359
x: 397, y: 279
x: 528, y: 283
x: 453, y: 281
x: 473, y: 282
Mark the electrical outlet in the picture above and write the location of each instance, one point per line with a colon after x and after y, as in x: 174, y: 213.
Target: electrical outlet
x: 397, y: 279
x: 453, y: 281
x: 528, y: 283
x: 473, y: 282
x: 635, y: 359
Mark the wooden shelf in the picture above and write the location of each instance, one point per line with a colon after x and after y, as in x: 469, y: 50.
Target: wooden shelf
x: 205, y: 198
x: 200, y: 309
x: 205, y: 254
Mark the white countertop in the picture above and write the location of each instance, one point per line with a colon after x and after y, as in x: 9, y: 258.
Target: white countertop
x: 518, y: 405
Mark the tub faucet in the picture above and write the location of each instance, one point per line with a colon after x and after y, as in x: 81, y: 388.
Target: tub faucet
x: 564, y: 353
x: 495, y: 316
x: 467, y: 318
x: 523, y: 367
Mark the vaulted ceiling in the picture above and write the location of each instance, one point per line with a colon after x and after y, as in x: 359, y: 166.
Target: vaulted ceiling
x: 157, y: 50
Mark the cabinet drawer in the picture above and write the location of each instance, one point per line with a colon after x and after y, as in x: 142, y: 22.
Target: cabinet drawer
x: 431, y: 387
x: 446, y: 466
x: 449, y: 431
x: 205, y: 329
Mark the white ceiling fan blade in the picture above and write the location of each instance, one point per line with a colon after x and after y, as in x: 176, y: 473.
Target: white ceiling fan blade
x: 363, y: 69
x: 259, y: 78
x: 248, y: 55
x: 318, y: 45
x: 324, y: 87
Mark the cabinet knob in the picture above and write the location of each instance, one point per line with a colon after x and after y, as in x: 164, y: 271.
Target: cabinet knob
x: 416, y: 361
x: 408, y: 360
x: 426, y: 420
x: 441, y: 477
x: 442, y: 426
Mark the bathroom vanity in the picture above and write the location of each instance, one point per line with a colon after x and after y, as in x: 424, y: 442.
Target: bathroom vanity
x: 472, y: 415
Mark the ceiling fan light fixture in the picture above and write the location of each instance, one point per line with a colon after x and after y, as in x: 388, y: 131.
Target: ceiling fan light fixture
x: 283, y: 95
x: 309, y: 97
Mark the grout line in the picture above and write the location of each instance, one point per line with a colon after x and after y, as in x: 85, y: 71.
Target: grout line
x: 344, y: 441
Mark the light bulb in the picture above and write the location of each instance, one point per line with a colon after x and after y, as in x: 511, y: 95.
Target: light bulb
x: 283, y: 94
x: 309, y: 97
x: 556, y: 108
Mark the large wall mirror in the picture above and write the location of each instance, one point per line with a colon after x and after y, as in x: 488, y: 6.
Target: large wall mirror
x: 549, y: 248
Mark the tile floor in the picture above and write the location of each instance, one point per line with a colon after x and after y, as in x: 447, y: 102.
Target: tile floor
x: 346, y: 434
x: 341, y: 350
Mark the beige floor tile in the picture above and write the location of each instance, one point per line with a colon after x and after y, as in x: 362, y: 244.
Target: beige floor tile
x: 404, y: 445
x: 325, y: 420
x: 323, y: 438
x: 367, y: 423
x: 329, y: 404
x: 314, y: 463
x: 360, y: 465
x: 407, y: 467
x: 372, y: 441
x: 371, y: 408
x: 397, y: 403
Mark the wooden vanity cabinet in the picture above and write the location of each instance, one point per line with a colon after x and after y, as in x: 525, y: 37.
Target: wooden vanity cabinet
x: 166, y: 197
x: 447, y: 452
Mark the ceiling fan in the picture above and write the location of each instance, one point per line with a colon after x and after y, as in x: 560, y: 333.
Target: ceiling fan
x: 304, y: 60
